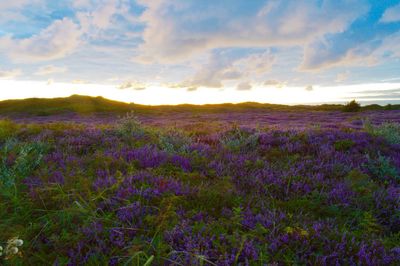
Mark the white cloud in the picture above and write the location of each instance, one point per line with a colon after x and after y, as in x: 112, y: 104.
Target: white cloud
x: 309, y: 88
x: 211, y: 74
x: 9, y: 74
x: 275, y: 83
x: 11, y: 10
x: 277, y: 23
x: 391, y: 14
x: 81, y: 3
x: 244, y: 86
x: 50, y: 69
x: 223, y: 66
x: 134, y: 85
x: 56, y: 41
x: 99, y: 18
x: 80, y: 81
x: 257, y: 63
x: 4, y: 5
x: 325, y: 54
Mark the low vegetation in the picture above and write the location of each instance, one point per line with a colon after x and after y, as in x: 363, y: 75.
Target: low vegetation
x: 132, y: 194
x: 90, y: 105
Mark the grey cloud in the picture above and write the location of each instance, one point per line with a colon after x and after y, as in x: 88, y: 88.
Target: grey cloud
x: 274, y: 83
x: 244, y: 86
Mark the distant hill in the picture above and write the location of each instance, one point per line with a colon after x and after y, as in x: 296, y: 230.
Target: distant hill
x: 90, y: 105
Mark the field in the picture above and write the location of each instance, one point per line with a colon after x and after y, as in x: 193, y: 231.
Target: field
x: 253, y: 186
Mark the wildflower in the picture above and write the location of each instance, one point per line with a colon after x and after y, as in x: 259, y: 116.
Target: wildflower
x: 15, y: 242
x: 13, y: 250
x: 12, y: 247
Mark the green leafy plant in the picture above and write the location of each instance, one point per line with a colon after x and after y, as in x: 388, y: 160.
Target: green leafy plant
x: 18, y: 160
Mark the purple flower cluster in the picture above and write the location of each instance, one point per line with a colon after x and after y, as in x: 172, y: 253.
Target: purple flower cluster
x: 242, y: 195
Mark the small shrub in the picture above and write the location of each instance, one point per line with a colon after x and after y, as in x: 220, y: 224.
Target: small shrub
x: 352, y: 106
x: 382, y: 169
x: 130, y: 126
x: 174, y: 141
x: 343, y: 145
x: 240, y: 140
x: 18, y: 160
x: 389, y: 131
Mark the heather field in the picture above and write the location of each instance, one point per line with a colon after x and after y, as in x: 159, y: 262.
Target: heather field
x: 209, y: 188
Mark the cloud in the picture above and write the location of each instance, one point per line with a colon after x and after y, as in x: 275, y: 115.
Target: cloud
x: 226, y: 65
x: 80, y: 81
x: 50, y: 69
x: 257, y: 63
x: 340, y: 51
x: 275, y: 83
x: 15, y: 4
x: 56, y: 41
x: 244, y: 86
x: 365, y: 49
x: 391, y: 14
x: 132, y: 85
x: 385, y: 91
x: 395, y: 80
x: 99, y: 18
x: 309, y: 88
x: 211, y: 74
x: 186, y: 25
x: 340, y: 77
x: 81, y: 3
x: 9, y: 74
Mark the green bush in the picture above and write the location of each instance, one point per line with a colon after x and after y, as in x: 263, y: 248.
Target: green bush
x: 389, y: 131
x: 382, y: 169
x: 240, y: 140
x: 129, y: 125
x: 352, y: 106
x: 174, y: 141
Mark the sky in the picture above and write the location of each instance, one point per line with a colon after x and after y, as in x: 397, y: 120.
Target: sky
x: 202, y: 51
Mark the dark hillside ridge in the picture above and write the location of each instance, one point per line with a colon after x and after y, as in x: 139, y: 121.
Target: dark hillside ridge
x: 90, y: 105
